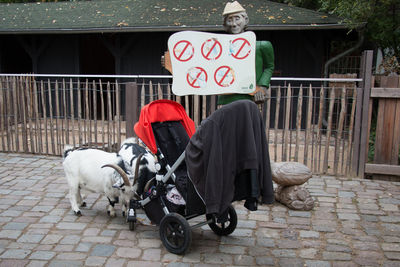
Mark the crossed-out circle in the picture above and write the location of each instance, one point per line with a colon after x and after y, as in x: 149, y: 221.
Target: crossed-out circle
x: 240, y: 48
x: 197, y: 77
x: 224, y: 76
x: 211, y: 49
x: 183, y: 50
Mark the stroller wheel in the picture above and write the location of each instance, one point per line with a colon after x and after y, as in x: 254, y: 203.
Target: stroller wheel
x: 175, y: 233
x: 225, y: 228
x: 132, y: 226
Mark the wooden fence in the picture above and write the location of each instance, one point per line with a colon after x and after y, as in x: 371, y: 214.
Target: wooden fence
x: 384, y: 148
x: 305, y: 122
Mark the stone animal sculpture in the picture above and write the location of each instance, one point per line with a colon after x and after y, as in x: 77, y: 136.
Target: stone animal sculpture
x: 289, y: 176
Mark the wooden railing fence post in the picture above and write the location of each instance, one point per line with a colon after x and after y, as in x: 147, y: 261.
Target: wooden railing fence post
x: 132, y: 107
x: 361, y: 123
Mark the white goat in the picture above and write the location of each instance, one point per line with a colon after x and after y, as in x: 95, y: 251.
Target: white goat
x: 83, y: 170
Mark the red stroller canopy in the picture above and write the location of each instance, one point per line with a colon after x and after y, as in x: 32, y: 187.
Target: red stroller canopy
x: 160, y: 111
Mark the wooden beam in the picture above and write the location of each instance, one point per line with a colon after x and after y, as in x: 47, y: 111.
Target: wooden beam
x: 385, y: 92
x: 131, y: 107
x: 382, y: 169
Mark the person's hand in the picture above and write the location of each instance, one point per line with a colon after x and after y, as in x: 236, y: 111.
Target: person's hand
x: 261, y: 95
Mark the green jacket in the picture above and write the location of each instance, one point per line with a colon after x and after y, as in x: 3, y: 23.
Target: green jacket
x: 264, y: 69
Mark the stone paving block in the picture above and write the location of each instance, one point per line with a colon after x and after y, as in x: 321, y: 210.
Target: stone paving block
x: 11, y: 213
x: 131, y: 253
x: 243, y: 260
x: 336, y: 256
x: 309, y: 234
x: 112, y: 262
x: 15, y: 226
x: 232, y: 249
x: 283, y: 253
x: 15, y: 254
x: 108, y: 233
x: 147, y: 243
x: 36, y: 263
x: 51, y: 239
x: 63, y: 248
x: 151, y: 254
x: 97, y: 239
x: 178, y: 264
x: 346, y: 194
x: 308, y: 253
x: 242, y: 232
x: 304, y: 214
x: 348, y: 216
x: 50, y: 219
x: 265, y: 261
x: 391, y: 247
x: 218, y: 258
x: 95, y: 261
x: 368, y: 258
x: 143, y: 263
x: 390, y: 264
x: 71, y: 256
x: 317, y: 263
x: 13, y: 263
x: 338, y: 248
x: 192, y: 257
x: 27, y: 238
x: 392, y: 255
x: 291, y: 262
x: 103, y: 250
x: 392, y: 227
x: 10, y: 234
x: 17, y: 245
x: 70, y: 240
x: 66, y: 263
x: 42, y: 255
x: 71, y: 226
x: 287, y: 243
x: 238, y: 241
x: 246, y: 224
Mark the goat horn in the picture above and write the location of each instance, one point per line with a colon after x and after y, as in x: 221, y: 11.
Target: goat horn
x: 120, y: 171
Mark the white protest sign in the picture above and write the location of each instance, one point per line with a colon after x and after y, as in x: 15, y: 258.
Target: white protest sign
x: 208, y: 63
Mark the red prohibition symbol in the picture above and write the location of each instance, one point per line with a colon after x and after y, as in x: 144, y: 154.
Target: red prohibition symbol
x: 224, y: 76
x: 240, y: 48
x: 183, y: 50
x: 197, y: 77
x: 211, y: 49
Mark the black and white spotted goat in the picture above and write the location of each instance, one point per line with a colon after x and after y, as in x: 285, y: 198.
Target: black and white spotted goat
x: 85, y: 168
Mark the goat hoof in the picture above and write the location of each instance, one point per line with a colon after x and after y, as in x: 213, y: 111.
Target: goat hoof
x: 123, y: 214
x: 108, y: 212
x: 83, y: 204
x: 78, y: 213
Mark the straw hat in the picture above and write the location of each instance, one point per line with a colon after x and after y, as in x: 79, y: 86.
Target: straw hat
x: 232, y: 7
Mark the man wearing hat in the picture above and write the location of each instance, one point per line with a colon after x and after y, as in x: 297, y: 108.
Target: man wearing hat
x: 235, y: 21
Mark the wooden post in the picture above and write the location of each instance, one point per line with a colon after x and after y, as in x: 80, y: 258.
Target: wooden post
x: 361, y: 122
x: 131, y: 107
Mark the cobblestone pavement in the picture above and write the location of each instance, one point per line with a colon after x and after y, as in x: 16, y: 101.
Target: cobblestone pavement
x: 355, y: 223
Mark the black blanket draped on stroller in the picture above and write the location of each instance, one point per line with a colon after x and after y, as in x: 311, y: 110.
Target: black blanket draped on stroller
x: 229, y: 142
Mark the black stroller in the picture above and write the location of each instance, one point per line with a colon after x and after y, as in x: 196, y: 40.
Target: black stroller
x: 166, y: 130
